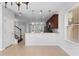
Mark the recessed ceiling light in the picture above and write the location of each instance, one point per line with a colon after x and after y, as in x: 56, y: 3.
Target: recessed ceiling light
x: 40, y: 12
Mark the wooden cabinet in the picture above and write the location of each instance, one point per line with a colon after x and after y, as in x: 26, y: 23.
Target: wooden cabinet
x: 52, y: 24
x: 53, y: 21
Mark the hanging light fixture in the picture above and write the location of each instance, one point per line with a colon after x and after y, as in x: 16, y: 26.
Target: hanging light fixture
x: 18, y: 4
x: 11, y: 3
x: 33, y: 15
x: 49, y: 10
x: 6, y: 4
x: 41, y: 14
x: 26, y: 3
x: 49, y: 13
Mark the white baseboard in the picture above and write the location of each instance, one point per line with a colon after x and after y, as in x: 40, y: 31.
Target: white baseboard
x: 2, y: 49
x: 41, y: 44
x: 73, y: 42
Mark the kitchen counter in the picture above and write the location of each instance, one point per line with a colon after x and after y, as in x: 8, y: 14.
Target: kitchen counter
x: 40, y: 38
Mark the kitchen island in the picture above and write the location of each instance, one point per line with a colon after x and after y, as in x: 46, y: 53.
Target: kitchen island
x: 35, y: 39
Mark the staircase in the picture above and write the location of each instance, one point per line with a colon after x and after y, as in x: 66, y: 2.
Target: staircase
x: 18, y: 36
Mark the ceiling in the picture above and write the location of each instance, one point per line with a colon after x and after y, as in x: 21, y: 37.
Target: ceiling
x: 36, y: 6
x: 27, y: 14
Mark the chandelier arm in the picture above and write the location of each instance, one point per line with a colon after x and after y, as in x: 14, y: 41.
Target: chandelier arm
x: 26, y: 3
x: 18, y: 4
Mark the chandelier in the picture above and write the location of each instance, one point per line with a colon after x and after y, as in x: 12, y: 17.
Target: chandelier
x: 18, y: 4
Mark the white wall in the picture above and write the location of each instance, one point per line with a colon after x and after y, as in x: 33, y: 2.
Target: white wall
x: 69, y: 47
x: 8, y: 27
x: 0, y: 27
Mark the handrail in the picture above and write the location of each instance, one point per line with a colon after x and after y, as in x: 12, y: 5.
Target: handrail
x: 19, y: 30
x: 17, y: 27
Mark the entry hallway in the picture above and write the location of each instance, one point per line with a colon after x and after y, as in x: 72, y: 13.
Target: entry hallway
x: 21, y: 50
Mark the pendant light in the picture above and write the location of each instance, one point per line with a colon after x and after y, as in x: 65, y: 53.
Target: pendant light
x: 18, y: 4
x: 49, y: 12
x: 41, y: 14
x: 11, y: 3
x: 33, y: 15
x: 5, y: 4
x: 26, y: 3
